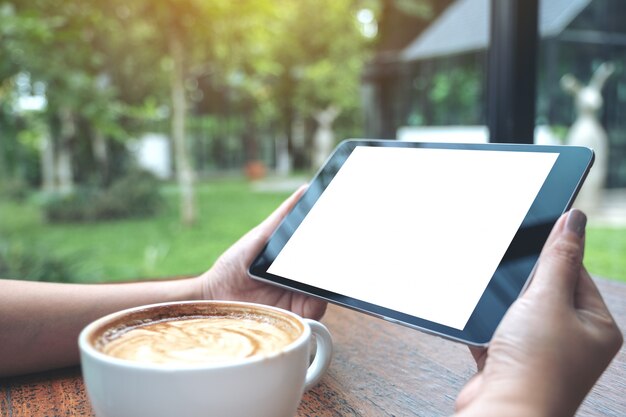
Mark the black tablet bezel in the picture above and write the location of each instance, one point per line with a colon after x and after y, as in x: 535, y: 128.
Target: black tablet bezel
x: 554, y: 198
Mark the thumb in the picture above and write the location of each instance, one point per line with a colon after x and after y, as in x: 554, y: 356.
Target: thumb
x: 560, y: 263
x: 469, y: 392
x: 252, y: 242
x: 265, y: 229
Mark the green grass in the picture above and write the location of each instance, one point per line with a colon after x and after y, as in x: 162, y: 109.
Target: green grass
x: 605, y: 252
x: 147, y: 248
x: 162, y: 247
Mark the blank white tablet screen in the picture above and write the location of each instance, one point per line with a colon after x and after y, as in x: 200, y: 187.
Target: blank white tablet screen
x: 420, y: 231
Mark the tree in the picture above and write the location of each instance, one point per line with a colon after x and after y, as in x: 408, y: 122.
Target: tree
x: 56, y: 47
x: 16, y: 33
x: 303, y: 58
x: 193, y: 37
x: 282, y: 61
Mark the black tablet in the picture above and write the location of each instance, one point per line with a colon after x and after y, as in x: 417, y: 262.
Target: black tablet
x: 438, y: 237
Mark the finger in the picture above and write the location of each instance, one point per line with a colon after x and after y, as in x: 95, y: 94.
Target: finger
x: 588, y: 296
x: 480, y: 356
x: 313, y: 308
x: 560, y: 263
x: 273, y: 220
x: 469, y: 392
x: 252, y: 241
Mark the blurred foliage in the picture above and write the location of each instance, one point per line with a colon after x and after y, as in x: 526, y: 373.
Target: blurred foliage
x: 14, y: 189
x: 454, y: 94
x: 135, y: 248
x: 106, y: 68
x: 25, y: 262
x: 134, y: 195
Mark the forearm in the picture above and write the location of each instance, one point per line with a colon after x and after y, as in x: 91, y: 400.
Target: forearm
x: 40, y: 322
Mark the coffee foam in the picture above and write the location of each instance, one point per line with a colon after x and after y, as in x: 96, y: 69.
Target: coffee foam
x: 211, y: 334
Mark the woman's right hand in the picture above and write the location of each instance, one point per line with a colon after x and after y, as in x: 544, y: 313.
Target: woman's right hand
x: 553, y: 343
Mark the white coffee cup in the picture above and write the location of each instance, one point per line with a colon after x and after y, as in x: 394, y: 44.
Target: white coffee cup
x: 265, y: 385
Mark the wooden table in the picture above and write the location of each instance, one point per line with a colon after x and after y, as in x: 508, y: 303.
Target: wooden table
x: 379, y: 369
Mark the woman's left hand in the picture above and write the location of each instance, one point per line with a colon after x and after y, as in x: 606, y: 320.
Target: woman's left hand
x: 228, y: 279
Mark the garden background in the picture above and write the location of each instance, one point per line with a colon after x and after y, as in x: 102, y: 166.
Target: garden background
x: 243, y: 94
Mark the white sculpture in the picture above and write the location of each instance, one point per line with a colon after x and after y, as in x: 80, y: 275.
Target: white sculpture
x: 587, y: 131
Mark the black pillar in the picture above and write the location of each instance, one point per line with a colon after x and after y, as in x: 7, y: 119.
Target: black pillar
x: 512, y: 71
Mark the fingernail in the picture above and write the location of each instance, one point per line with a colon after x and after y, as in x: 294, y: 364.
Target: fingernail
x: 576, y: 222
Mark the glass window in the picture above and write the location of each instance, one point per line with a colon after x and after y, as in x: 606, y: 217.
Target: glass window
x: 434, y: 79
x: 576, y: 41
x: 581, y: 100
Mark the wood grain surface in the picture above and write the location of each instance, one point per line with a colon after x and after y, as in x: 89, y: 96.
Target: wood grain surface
x: 379, y: 369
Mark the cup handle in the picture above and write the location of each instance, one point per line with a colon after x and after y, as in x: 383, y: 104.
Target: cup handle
x: 323, y: 354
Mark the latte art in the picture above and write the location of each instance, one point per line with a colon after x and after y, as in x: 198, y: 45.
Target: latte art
x: 201, y: 340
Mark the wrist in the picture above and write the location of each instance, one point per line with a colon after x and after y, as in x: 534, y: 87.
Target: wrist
x: 198, y: 288
x: 183, y: 289
x: 203, y: 286
x: 498, y: 403
x: 513, y: 398
x: 486, y: 408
